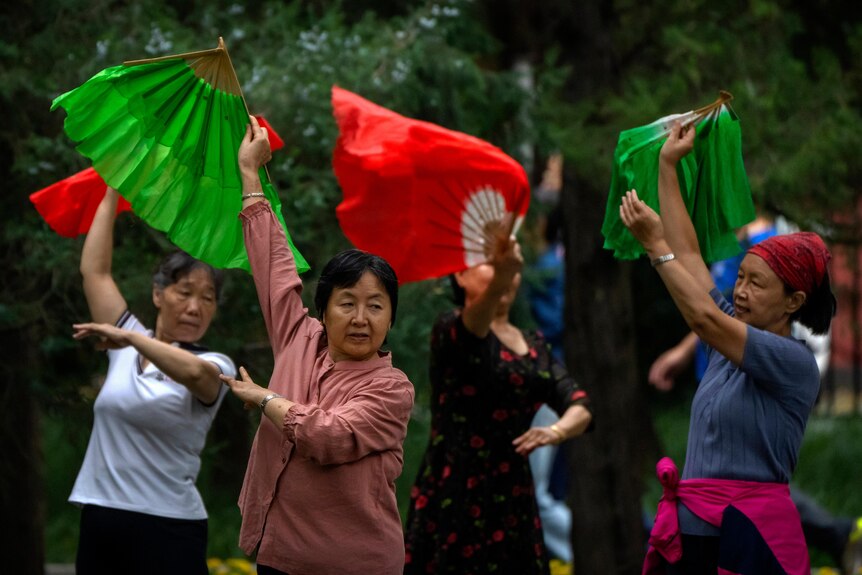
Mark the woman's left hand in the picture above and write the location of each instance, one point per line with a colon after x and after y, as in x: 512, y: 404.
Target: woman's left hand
x: 110, y: 337
x: 245, y: 389
x: 680, y: 141
x: 254, y: 150
x: 536, y: 437
x: 641, y: 220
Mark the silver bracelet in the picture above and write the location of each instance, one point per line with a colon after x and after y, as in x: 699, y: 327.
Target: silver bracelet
x: 662, y: 260
x: 267, y: 399
x: 254, y: 195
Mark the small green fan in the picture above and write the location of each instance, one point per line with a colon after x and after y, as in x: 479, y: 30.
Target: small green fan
x: 712, y: 180
x: 165, y: 133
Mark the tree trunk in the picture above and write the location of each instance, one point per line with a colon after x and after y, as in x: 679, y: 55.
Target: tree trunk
x: 607, y: 466
x: 22, y: 545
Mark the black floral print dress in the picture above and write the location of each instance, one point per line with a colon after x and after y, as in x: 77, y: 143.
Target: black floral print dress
x: 472, y: 508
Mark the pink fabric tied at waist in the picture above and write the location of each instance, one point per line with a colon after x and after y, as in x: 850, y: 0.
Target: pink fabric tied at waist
x: 767, y: 505
x: 665, y: 536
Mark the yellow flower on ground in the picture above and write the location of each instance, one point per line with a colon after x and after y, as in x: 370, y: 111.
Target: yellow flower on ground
x: 560, y: 568
x: 231, y: 566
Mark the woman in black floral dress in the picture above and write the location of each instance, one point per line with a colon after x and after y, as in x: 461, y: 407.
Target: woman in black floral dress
x: 472, y: 508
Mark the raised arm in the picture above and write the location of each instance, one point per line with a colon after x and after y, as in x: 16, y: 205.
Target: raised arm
x: 103, y: 296
x: 254, y: 153
x: 507, y: 262
x: 719, y: 330
x: 272, y: 264
x: 678, y: 228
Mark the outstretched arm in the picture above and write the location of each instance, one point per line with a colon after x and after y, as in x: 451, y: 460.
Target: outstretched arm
x: 197, y: 374
x: 252, y: 394
x: 371, y: 420
x: 103, y: 296
x: 574, y: 422
x: 678, y: 228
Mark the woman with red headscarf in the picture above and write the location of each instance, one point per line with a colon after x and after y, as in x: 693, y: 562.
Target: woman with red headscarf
x: 732, y: 507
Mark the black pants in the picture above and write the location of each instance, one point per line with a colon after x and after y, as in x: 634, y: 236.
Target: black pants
x: 699, y: 556
x: 264, y: 570
x: 114, y: 541
x: 822, y: 529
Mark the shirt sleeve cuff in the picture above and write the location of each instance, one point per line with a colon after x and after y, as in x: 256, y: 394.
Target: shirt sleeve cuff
x: 253, y: 211
x: 289, y: 423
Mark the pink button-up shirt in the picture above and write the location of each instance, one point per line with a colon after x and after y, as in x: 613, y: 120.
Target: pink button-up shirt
x: 319, y: 492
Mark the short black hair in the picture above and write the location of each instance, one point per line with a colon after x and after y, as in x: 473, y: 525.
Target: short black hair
x: 344, y: 271
x: 178, y: 265
x: 819, y: 307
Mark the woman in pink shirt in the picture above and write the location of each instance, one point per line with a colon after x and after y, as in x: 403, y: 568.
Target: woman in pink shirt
x: 319, y: 491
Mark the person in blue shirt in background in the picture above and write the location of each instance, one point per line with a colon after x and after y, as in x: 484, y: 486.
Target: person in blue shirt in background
x: 546, y: 297
x: 840, y: 537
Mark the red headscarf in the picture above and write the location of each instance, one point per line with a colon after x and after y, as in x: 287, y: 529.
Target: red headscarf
x: 798, y: 259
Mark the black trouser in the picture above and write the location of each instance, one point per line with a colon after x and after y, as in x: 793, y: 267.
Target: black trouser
x: 699, y: 556
x: 114, y: 541
x: 822, y: 530
x: 264, y: 570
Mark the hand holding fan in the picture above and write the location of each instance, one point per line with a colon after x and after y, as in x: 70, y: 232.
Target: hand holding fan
x: 165, y: 133
x: 68, y: 206
x: 429, y: 200
x: 712, y: 179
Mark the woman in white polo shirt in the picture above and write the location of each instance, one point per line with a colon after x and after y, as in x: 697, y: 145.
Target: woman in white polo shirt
x: 141, y: 510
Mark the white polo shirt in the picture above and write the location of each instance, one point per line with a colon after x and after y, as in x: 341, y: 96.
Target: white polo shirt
x: 148, y: 433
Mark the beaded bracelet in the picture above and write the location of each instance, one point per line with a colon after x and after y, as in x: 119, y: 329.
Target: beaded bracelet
x: 254, y: 195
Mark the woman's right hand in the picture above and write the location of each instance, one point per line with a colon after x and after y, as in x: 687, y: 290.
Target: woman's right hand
x: 245, y: 389
x: 679, y: 142
x: 109, y: 336
x: 506, y: 257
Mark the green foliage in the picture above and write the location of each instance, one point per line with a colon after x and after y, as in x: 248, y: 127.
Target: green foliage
x: 422, y: 61
x: 795, y: 76
x: 796, y: 73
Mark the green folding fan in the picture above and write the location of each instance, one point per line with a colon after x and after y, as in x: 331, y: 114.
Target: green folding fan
x: 165, y: 133
x: 712, y: 180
